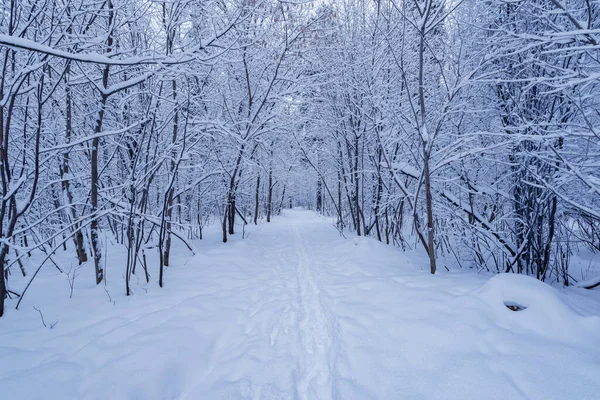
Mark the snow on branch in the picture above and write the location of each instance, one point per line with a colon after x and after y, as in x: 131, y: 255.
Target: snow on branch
x: 92, y: 58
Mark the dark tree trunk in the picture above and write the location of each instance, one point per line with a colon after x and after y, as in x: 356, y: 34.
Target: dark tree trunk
x: 356, y: 187
x: 96, y: 248
x: 66, y: 186
x: 319, y: 196
x: 169, y: 210
x: 256, y: 203
x: 95, y: 240
x: 282, y: 200
x: 270, y: 195
x: 224, y: 224
x: 339, y: 198
x: 231, y: 215
x: 3, y: 253
x: 429, y: 206
x: 377, y: 201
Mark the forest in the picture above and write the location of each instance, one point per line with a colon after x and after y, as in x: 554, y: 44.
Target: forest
x: 299, y: 199
x: 468, y: 129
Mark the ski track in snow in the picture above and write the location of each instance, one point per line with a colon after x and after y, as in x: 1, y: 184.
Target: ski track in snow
x: 314, y: 380
x: 297, y: 312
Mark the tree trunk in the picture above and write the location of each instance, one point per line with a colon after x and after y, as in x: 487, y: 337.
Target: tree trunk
x: 339, y: 198
x: 64, y: 173
x: 224, y: 224
x: 430, y: 225
x: 356, y: 187
x: 282, y: 200
x: 96, y: 248
x: 169, y: 210
x: 270, y: 196
x: 256, y: 199
x: 319, y: 196
x: 3, y: 253
x: 231, y: 215
x: 95, y: 241
x: 426, y: 144
x: 377, y: 201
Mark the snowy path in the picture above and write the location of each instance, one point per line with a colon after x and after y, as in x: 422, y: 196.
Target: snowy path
x: 297, y: 312
x: 314, y: 328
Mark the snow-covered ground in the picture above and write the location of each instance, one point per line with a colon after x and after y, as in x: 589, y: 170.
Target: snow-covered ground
x: 295, y: 311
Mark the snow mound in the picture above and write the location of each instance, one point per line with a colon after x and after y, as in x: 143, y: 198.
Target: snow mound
x: 589, y: 283
x: 521, y: 301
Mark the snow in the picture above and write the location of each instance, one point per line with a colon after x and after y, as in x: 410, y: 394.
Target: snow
x: 544, y: 313
x: 297, y: 311
x: 589, y: 283
x: 95, y: 58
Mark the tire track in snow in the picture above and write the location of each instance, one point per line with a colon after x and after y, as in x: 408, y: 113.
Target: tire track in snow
x: 314, y: 379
